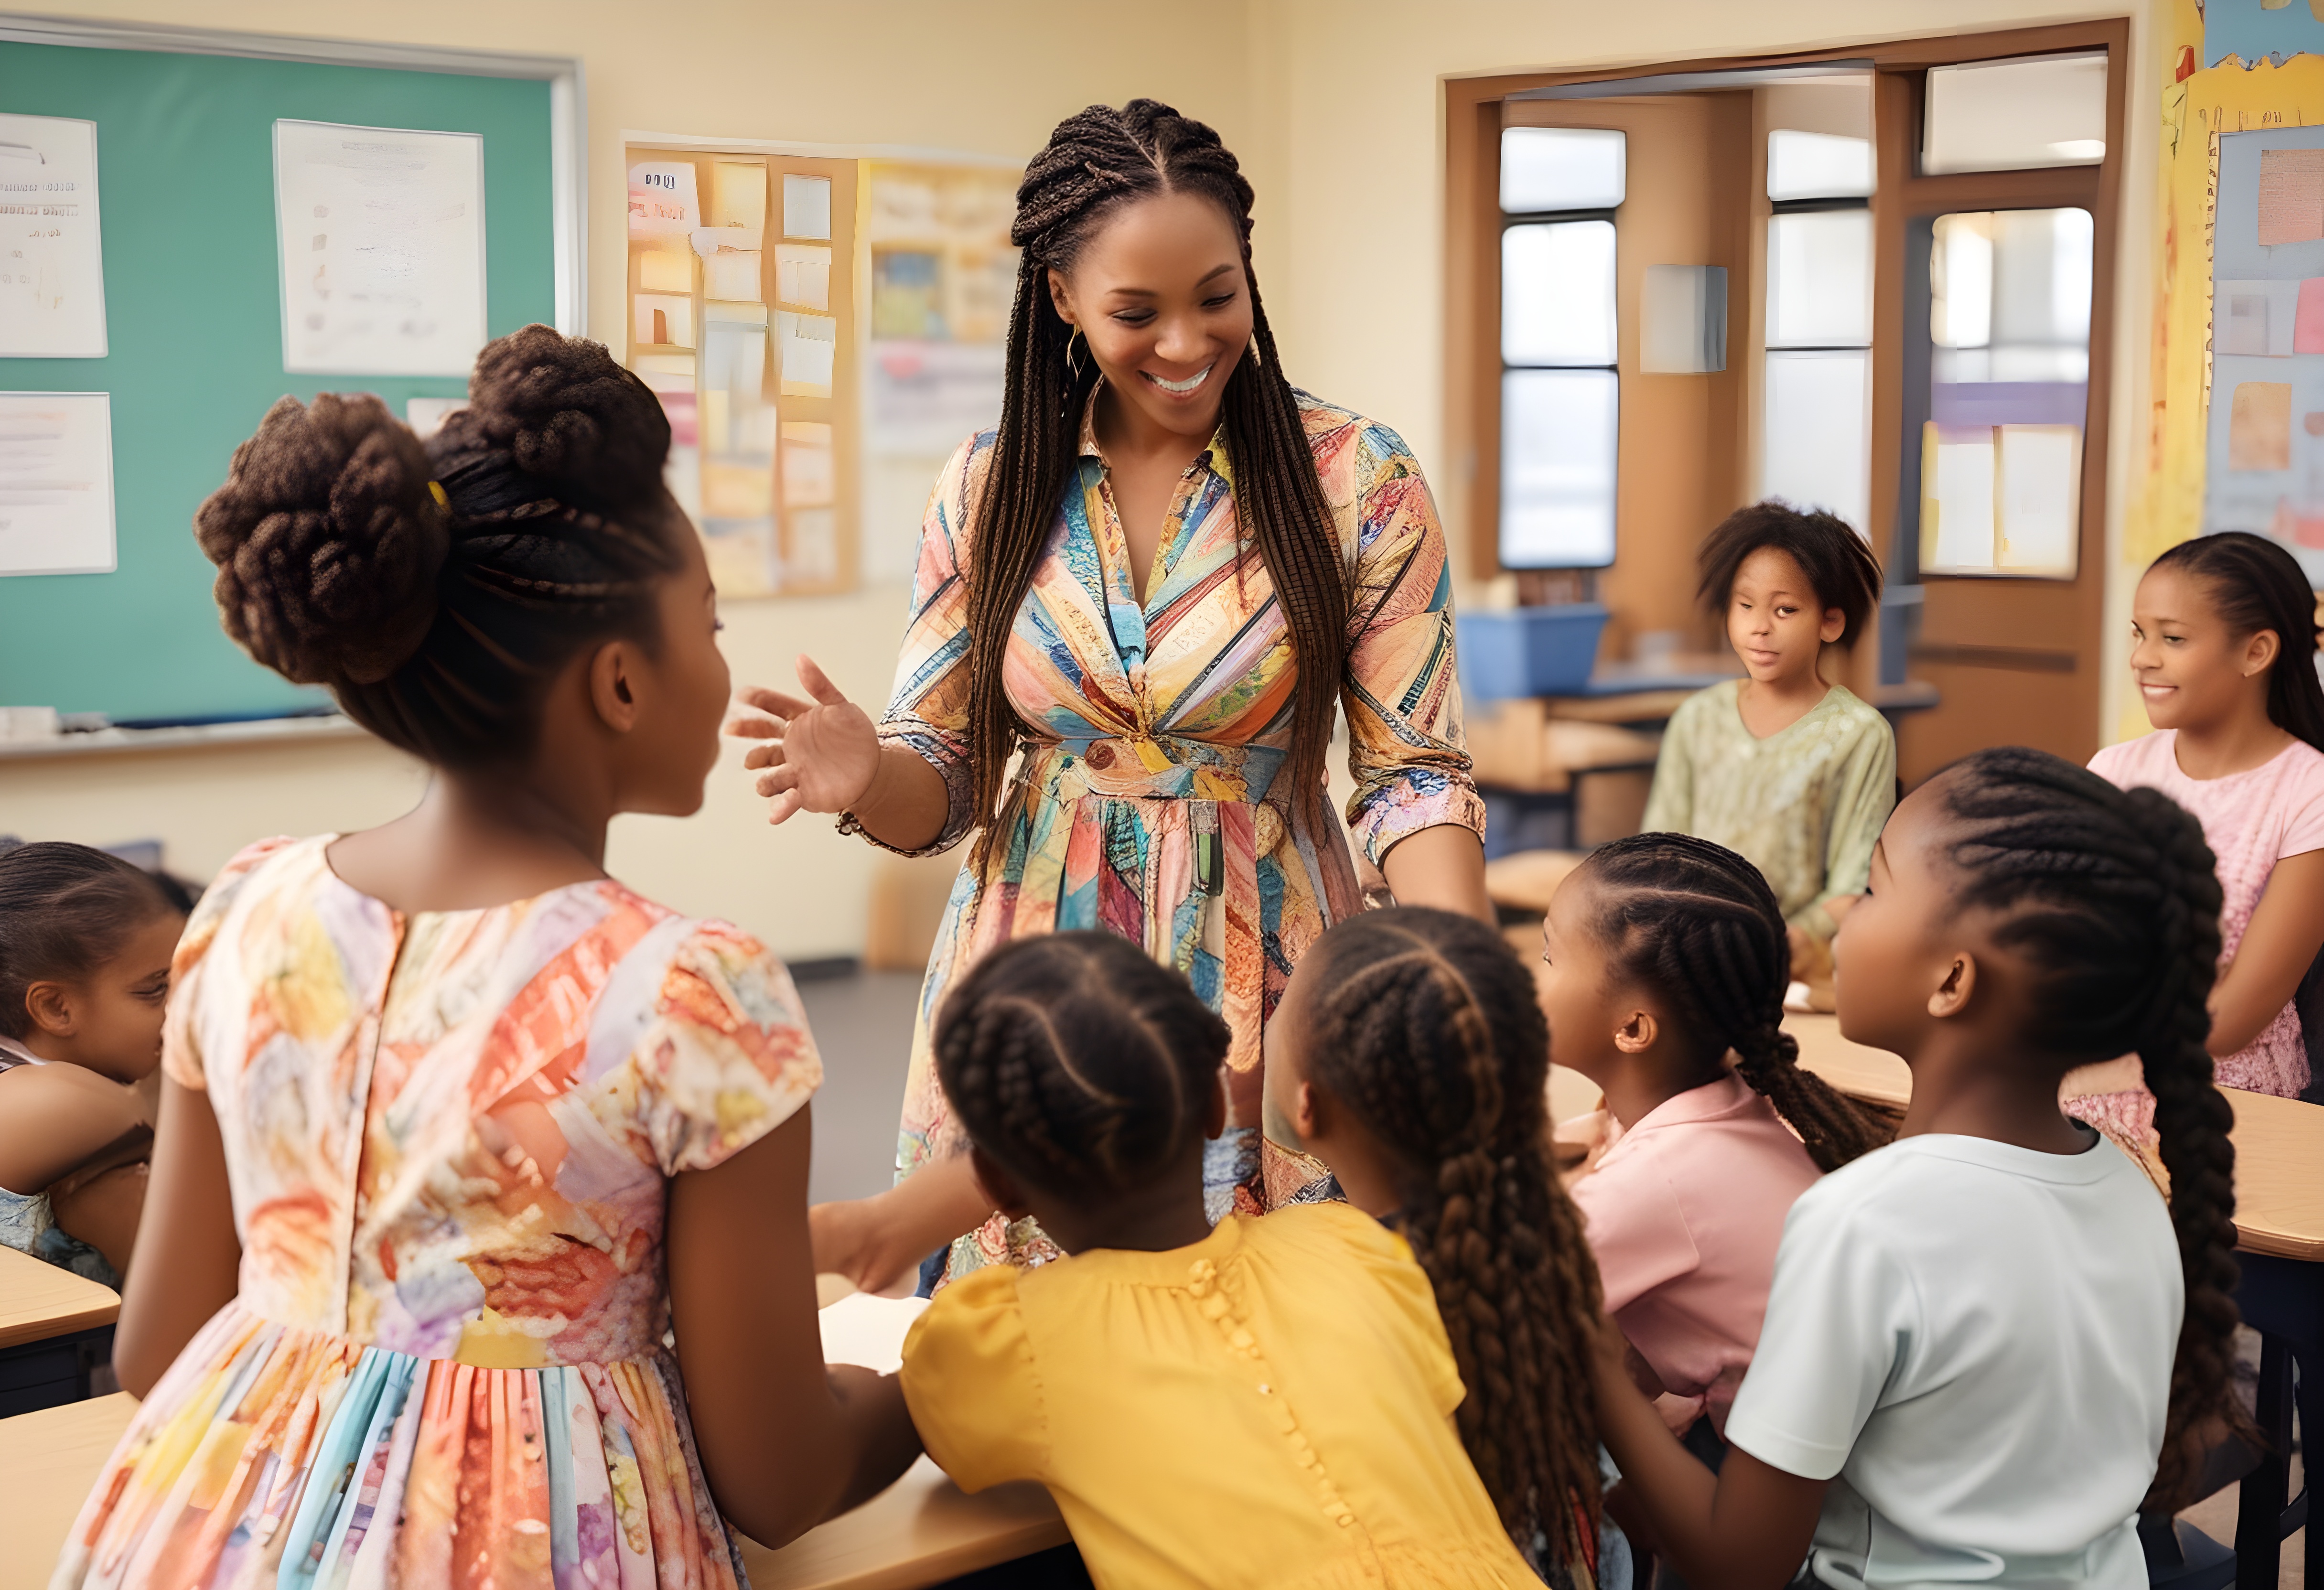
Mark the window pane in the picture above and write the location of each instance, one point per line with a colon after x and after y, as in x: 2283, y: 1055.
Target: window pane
x: 1818, y: 165
x: 1682, y: 320
x: 1819, y: 442
x: 1562, y: 169
x: 2006, y: 116
x: 1557, y: 293
x: 2010, y: 314
x: 1560, y: 430
x: 1820, y: 279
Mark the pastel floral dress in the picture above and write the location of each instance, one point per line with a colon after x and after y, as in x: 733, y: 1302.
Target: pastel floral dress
x: 449, y: 1137
x: 1147, y: 803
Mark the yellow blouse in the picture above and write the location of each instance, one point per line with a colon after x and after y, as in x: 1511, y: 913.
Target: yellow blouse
x: 1269, y: 1407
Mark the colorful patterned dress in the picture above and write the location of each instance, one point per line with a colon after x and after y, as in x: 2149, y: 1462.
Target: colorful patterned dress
x: 1146, y: 801
x: 450, y: 1137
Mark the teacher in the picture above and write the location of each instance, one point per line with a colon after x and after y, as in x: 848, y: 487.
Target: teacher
x: 1156, y: 581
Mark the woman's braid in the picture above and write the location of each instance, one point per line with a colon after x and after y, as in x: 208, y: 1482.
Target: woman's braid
x: 1094, y: 161
x: 2112, y: 897
x: 1429, y: 1032
x: 1697, y: 925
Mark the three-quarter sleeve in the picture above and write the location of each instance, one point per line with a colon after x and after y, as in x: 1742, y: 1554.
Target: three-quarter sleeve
x: 1864, y: 792
x: 928, y: 710
x: 1401, y: 692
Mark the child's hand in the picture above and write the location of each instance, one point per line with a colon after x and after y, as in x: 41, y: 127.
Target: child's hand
x: 855, y: 1238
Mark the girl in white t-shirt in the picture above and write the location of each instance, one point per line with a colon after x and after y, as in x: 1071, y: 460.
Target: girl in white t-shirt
x: 1987, y: 1346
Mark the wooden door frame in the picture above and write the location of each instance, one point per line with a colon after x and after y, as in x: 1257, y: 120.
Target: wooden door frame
x: 1473, y: 231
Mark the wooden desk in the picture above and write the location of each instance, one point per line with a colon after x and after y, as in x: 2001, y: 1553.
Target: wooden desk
x: 920, y: 1531
x: 38, y: 1300
x: 2279, y: 1142
x: 47, y: 1461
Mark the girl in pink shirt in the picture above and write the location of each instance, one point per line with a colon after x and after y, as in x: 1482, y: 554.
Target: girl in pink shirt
x: 1664, y: 954
x: 2225, y: 652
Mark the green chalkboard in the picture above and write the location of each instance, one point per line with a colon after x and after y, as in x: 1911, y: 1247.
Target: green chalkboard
x: 194, y: 321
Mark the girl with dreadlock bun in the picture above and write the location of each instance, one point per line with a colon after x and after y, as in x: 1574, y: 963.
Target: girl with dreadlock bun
x: 455, y: 1129
x: 1413, y: 1059
x: 1258, y: 1402
x: 1664, y: 955
x: 1158, y: 578
x: 1988, y: 1343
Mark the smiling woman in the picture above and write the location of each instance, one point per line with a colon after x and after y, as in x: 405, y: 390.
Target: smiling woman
x: 1159, y: 579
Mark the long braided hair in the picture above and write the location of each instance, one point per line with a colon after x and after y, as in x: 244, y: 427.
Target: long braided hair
x: 1094, y: 163
x: 1698, y: 925
x: 1078, y: 1063
x: 2112, y: 899
x: 438, y: 588
x: 1429, y: 1031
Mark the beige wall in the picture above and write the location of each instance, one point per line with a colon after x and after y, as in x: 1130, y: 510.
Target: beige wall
x: 1335, y: 105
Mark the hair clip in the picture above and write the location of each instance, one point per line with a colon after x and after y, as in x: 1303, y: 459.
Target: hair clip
x: 436, y: 490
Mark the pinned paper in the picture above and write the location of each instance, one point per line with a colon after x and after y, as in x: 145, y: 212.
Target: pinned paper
x: 806, y: 345
x: 732, y: 273
x: 663, y: 200
x: 2308, y: 326
x: 809, y: 479
x: 738, y: 202
x: 803, y: 275
x: 663, y: 319
x: 661, y: 271
x: 2259, y: 426
x: 807, y: 206
x: 2291, y: 196
x: 2255, y: 319
x: 52, y: 263
x: 382, y: 234
x: 56, y: 483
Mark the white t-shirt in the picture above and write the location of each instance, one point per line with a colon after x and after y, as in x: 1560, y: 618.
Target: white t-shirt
x: 1975, y: 1339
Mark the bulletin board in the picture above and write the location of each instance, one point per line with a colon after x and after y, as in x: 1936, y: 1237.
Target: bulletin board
x: 195, y: 347
x: 2235, y: 429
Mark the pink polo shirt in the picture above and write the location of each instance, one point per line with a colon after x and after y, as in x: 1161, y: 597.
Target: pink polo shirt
x: 1685, y: 1211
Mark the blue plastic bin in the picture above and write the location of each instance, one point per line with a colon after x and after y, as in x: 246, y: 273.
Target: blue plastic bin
x: 1529, y: 650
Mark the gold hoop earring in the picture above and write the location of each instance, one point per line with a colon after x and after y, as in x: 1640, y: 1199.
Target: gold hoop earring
x: 1073, y: 365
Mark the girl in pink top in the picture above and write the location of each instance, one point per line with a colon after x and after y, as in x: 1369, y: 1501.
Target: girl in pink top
x: 2225, y: 653
x: 1664, y: 954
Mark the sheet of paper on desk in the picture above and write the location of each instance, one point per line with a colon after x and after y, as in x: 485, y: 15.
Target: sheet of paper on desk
x: 382, y: 242
x: 56, y: 483
x: 52, y: 263
x: 862, y: 1328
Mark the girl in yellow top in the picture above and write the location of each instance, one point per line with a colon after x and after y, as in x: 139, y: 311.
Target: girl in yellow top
x: 1266, y: 1403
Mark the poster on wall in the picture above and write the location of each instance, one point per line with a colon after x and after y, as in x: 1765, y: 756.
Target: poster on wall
x: 51, y: 255
x: 56, y: 483
x: 382, y: 234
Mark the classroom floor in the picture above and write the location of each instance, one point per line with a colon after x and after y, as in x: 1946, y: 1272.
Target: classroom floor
x: 862, y: 1023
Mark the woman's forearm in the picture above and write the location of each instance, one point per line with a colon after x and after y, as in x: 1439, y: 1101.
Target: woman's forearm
x: 1442, y: 867
x: 907, y: 804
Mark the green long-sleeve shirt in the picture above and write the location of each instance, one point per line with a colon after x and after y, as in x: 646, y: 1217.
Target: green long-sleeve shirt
x: 1803, y: 805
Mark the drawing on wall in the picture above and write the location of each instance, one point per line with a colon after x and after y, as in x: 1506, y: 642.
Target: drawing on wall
x: 382, y: 234
x: 56, y: 483
x: 51, y: 255
x: 2264, y: 445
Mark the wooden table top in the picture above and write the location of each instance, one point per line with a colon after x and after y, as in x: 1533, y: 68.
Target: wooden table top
x: 39, y: 1301
x: 2279, y: 1142
x: 47, y: 1461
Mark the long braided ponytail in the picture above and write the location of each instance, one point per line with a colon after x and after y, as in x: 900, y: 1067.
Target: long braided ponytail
x: 1698, y: 925
x: 1429, y: 1031
x: 2112, y: 899
x: 1093, y: 163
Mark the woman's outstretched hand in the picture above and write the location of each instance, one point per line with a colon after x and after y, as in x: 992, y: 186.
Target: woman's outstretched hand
x: 818, y: 755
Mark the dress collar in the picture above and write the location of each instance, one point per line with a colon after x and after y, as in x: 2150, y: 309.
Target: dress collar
x: 1212, y: 457
x: 13, y: 1053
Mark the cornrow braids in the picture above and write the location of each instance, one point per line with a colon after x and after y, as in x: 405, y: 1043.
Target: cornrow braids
x: 1094, y: 163
x: 437, y: 588
x: 1697, y: 925
x: 2112, y: 899
x: 1078, y: 1063
x: 1430, y: 1033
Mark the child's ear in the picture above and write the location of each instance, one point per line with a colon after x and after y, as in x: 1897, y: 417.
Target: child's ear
x: 611, y: 690
x: 1637, y: 1032
x: 51, y: 1006
x: 1834, y: 625
x: 2259, y: 652
x: 1953, y: 995
x: 999, y: 1185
